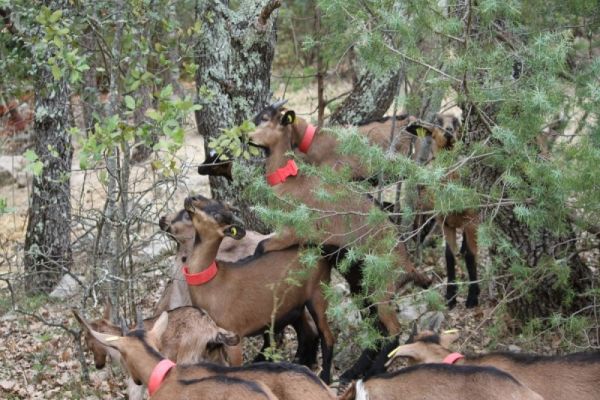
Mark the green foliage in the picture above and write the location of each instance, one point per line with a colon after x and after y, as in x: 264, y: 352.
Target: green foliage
x: 34, y: 164
x: 234, y: 142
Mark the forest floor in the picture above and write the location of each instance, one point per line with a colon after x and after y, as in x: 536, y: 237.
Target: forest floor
x: 39, y: 361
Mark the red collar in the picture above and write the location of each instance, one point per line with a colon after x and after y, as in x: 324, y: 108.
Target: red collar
x: 307, y: 139
x: 280, y: 176
x: 452, y: 358
x: 201, y: 277
x: 158, y: 375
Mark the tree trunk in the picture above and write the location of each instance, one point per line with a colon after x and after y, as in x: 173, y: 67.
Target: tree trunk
x: 235, y: 54
x: 370, y: 98
x: 47, y: 242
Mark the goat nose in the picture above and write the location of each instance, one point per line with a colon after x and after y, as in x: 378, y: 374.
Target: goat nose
x: 448, y: 135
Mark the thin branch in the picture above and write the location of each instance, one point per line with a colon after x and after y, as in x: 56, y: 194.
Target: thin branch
x: 266, y: 12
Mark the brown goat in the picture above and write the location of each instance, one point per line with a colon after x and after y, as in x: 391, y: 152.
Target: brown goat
x: 191, y: 335
x: 249, y: 295
x: 441, y: 382
x: 574, y: 376
x: 138, y: 349
x: 342, y: 225
x: 179, y: 227
x: 321, y: 148
x: 440, y: 137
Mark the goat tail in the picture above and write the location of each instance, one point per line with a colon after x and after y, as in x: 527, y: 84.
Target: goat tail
x: 361, y: 391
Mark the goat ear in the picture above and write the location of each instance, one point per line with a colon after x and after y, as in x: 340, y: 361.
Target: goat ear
x: 419, y: 129
x: 235, y: 231
x: 160, y: 326
x: 103, y: 338
x: 226, y: 337
x: 288, y: 118
x: 405, y: 350
x: 449, y: 337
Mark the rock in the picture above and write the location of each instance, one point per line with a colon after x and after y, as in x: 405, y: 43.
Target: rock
x: 13, y: 163
x: 23, y: 179
x: 432, y: 321
x: 411, y: 309
x: 514, y: 348
x: 6, y: 177
x: 66, y: 288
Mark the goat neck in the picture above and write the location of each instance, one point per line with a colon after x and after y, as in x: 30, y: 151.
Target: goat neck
x: 277, y: 156
x: 204, y: 252
x: 299, y: 130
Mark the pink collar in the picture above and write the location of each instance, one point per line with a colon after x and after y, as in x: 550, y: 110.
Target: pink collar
x: 307, y: 139
x: 201, y: 277
x: 158, y: 375
x: 280, y: 176
x: 452, y: 358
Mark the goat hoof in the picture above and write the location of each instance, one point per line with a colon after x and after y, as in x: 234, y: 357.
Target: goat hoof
x: 325, y: 377
x: 471, y: 303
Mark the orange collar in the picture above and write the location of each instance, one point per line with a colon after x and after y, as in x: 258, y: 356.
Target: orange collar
x: 201, y: 277
x: 307, y: 139
x: 158, y: 375
x: 280, y: 176
x: 452, y: 358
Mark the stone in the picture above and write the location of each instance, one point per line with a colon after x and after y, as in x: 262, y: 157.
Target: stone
x: 66, y: 288
x: 6, y: 177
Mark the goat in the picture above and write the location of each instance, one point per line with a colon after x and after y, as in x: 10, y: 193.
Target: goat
x: 342, y: 224
x: 179, y: 227
x: 146, y: 366
x: 441, y: 382
x: 191, y: 335
x: 169, y: 381
x: 321, y: 148
x: 249, y: 295
x: 214, y: 166
x: 574, y: 376
x: 439, y: 137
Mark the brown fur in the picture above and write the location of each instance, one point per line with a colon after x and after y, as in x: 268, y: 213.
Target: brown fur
x: 323, y: 150
x: 442, y: 136
x: 441, y: 382
x: 215, y: 388
x: 573, y: 377
x: 242, y: 297
x: 191, y: 336
x: 179, y: 227
x: 138, y: 350
x: 345, y: 223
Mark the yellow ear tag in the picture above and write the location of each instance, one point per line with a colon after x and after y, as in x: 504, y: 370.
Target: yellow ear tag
x: 291, y: 118
x: 450, y: 331
x: 112, y: 338
x: 421, y: 132
x: 233, y: 231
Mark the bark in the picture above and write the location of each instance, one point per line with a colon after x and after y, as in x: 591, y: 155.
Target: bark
x: 370, y: 98
x: 47, y: 249
x: 235, y: 54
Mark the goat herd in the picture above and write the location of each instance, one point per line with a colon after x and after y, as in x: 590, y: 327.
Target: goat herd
x: 260, y: 281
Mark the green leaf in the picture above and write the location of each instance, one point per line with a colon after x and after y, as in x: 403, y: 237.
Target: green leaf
x: 56, y: 15
x: 153, y: 114
x: 130, y: 102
